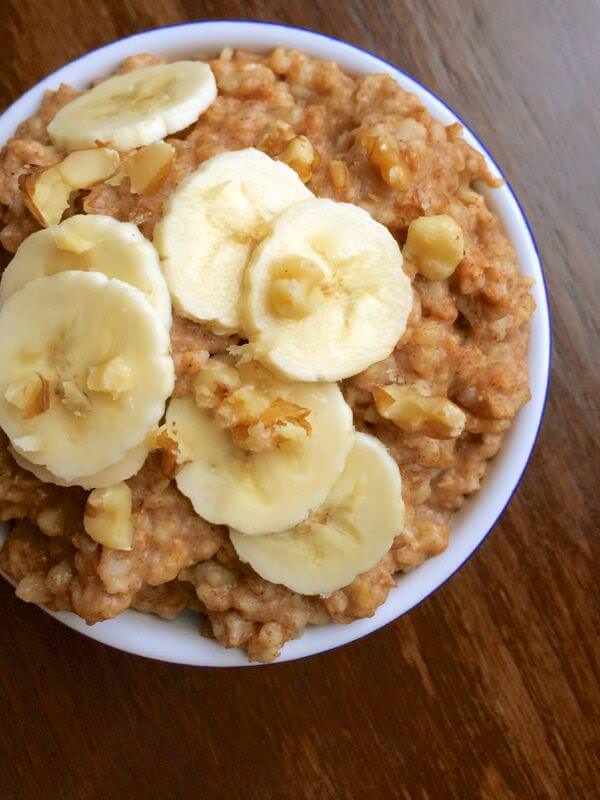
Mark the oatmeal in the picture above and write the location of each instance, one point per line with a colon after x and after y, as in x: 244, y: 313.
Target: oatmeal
x: 441, y: 401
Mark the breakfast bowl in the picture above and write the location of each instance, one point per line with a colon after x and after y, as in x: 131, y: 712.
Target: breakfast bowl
x: 177, y: 640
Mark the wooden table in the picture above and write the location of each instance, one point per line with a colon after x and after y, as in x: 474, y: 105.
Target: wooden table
x: 490, y: 688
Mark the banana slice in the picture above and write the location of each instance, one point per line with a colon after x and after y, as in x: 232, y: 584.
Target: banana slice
x: 271, y: 489
x: 137, y: 108
x: 325, y: 295
x: 132, y: 462
x: 85, y: 372
x: 210, y: 225
x: 92, y: 243
x: 349, y: 533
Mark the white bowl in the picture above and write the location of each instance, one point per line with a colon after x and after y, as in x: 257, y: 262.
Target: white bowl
x: 179, y: 641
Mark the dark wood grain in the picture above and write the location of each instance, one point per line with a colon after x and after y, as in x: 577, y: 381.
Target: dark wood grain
x: 490, y: 688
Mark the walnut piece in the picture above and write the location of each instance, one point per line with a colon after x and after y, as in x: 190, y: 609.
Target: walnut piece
x: 413, y: 412
x: 46, y: 191
x: 107, y: 517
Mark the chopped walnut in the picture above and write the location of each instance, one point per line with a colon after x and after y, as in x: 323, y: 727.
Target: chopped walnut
x: 413, y: 412
x: 113, y: 377
x: 30, y: 395
x: 73, y: 398
x: 149, y: 167
x: 385, y: 154
x: 276, y: 138
x: 243, y: 353
x: 340, y: 175
x: 213, y: 382
x: 257, y: 423
x: 164, y: 440
x: 107, y: 517
x: 244, y: 406
x: 46, y: 191
x: 302, y: 157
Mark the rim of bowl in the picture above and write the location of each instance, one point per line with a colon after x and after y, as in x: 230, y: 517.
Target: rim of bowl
x: 373, y: 624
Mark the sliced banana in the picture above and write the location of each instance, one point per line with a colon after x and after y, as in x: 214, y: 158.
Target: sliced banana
x: 137, y: 108
x: 325, y: 295
x: 131, y: 463
x: 349, y: 533
x: 262, y: 491
x: 210, y: 224
x: 61, y: 333
x: 91, y: 243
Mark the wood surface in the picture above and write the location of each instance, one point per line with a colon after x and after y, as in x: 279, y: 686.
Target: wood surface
x: 490, y: 688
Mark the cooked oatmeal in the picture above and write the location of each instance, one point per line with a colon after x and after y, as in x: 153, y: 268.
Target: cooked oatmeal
x: 360, y: 140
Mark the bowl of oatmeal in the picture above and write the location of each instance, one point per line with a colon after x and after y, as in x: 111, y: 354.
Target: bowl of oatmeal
x: 323, y: 387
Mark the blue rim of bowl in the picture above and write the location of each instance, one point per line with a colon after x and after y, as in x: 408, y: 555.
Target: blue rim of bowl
x: 402, y: 72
